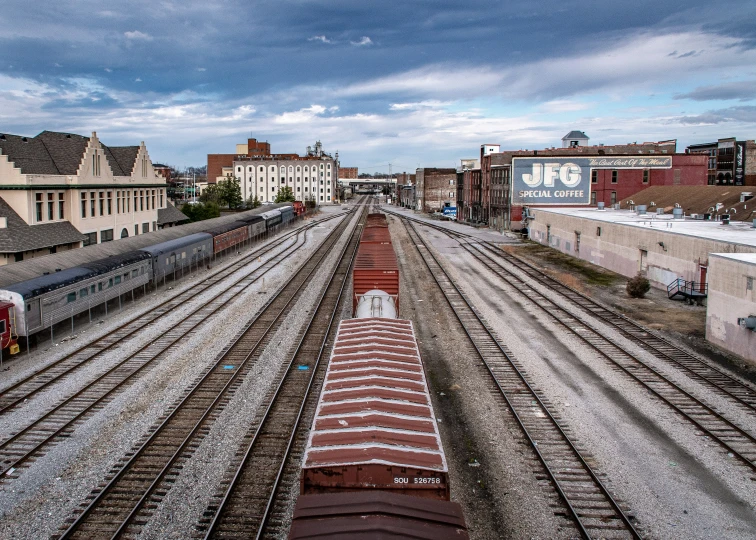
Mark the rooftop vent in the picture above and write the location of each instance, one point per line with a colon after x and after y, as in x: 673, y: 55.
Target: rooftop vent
x: 24, y: 139
x: 600, y: 205
x: 677, y: 213
x: 745, y: 196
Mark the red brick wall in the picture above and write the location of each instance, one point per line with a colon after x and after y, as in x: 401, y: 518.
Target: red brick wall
x: 348, y: 172
x: 215, y: 164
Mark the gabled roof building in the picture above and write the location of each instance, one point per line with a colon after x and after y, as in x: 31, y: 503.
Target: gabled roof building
x: 60, y: 191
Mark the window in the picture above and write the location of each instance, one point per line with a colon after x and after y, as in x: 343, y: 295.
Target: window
x: 153, y: 199
x: 598, y: 231
x: 613, y: 200
x: 645, y: 176
x: 299, y: 189
x: 643, y: 260
x: 577, y: 242
x: 91, y: 239
x: 50, y: 206
x: 117, y: 280
x: 70, y: 297
x: 84, y: 292
x: 96, y: 163
x: 91, y: 204
x: 61, y: 201
x: 118, y: 202
x: 145, y: 227
x: 134, y: 273
x: 92, y: 289
x: 110, y: 202
x: 749, y: 283
x: 39, y: 206
x: 110, y: 282
x: 593, y: 197
x: 154, y: 225
x: 135, y: 201
x: 141, y: 200
x: 106, y: 235
x: 161, y: 198
x: 614, y: 177
x: 594, y: 177
x: 136, y: 229
x: 83, y: 205
x: 99, y: 286
x: 451, y: 182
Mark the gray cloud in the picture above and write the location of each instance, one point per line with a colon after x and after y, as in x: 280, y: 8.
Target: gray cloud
x: 743, y: 114
x: 742, y: 90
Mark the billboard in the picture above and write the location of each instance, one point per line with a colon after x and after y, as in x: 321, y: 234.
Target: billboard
x: 567, y: 180
x: 450, y: 212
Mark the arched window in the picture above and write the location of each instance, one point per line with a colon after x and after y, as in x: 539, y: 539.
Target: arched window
x: 124, y: 233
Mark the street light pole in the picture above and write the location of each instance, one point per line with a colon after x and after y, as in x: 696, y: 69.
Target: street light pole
x: 194, y: 187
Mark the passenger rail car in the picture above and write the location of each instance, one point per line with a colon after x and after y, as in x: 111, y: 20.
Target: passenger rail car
x: 255, y: 225
x: 51, y: 298
x: 272, y: 219
x: 48, y: 299
x: 175, y: 255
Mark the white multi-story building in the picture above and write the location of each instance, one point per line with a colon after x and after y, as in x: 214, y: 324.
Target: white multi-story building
x: 310, y: 177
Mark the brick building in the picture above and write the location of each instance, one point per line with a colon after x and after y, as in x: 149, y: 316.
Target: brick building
x: 488, y: 196
x: 403, y: 179
x: 729, y: 162
x: 221, y: 165
x: 348, y: 173
x: 435, y: 189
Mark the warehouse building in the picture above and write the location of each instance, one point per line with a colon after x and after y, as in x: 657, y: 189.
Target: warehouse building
x: 689, y: 258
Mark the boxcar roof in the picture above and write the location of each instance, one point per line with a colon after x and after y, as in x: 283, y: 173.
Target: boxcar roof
x: 221, y: 229
x: 375, y: 407
x: 370, y: 513
x: 270, y: 214
x: 29, y: 269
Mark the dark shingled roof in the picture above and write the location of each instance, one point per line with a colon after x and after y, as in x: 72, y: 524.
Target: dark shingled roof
x: 574, y: 134
x: 122, y: 157
x: 51, y: 152
x: 28, y: 154
x: 19, y: 236
x: 170, y: 214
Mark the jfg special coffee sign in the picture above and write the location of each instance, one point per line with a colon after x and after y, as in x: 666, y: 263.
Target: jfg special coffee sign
x: 561, y: 181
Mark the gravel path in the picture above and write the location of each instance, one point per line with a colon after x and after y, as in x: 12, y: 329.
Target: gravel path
x: 676, y: 482
x: 35, y: 505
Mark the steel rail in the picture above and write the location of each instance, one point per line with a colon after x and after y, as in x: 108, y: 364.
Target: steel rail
x: 287, y: 293
x: 236, y: 488
x: 438, y: 271
x: 681, y: 401
x: 10, y: 397
x: 95, y: 395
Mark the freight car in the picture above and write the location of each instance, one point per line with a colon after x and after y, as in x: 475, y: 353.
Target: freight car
x: 287, y: 214
x: 272, y: 219
x: 299, y: 208
x: 228, y: 235
x: 373, y: 465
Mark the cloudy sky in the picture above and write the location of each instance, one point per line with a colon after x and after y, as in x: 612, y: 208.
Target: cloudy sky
x: 412, y: 83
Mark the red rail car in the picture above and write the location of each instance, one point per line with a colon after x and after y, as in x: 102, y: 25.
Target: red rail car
x: 375, y: 267
x: 374, y: 427
x: 299, y: 208
x: 376, y: 235
x: 229, y: 235
x: 376, y: 514
x: 376, y: 220
x: 7, y: 331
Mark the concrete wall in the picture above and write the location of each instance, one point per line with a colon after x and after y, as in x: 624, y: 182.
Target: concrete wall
x: 730, y: 299
x: 618, y: 246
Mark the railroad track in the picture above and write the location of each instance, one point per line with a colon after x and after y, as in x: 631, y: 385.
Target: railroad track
x: 124, y: 502
x: 22, y: 447
x: 250, y: 489
x: 734, y: 439
x: 25, y: 388
x: 589, y: 504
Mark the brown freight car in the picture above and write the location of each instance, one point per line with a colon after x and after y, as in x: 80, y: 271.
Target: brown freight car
x: 375, y: 268
x: 374, y: 426
x: 228, y: 235
x: 376, y: 220
x: 376, y: 514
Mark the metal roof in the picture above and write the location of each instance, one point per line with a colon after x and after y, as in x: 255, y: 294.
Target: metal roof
x: 176, y: 243
x: 574, y: 134
x: 375, y: 407
x: 31, y: 268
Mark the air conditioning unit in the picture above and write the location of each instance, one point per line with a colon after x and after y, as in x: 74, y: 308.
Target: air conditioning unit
x: 748, y: 322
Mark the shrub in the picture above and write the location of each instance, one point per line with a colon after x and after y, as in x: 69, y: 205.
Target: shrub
x: 638, y: 286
